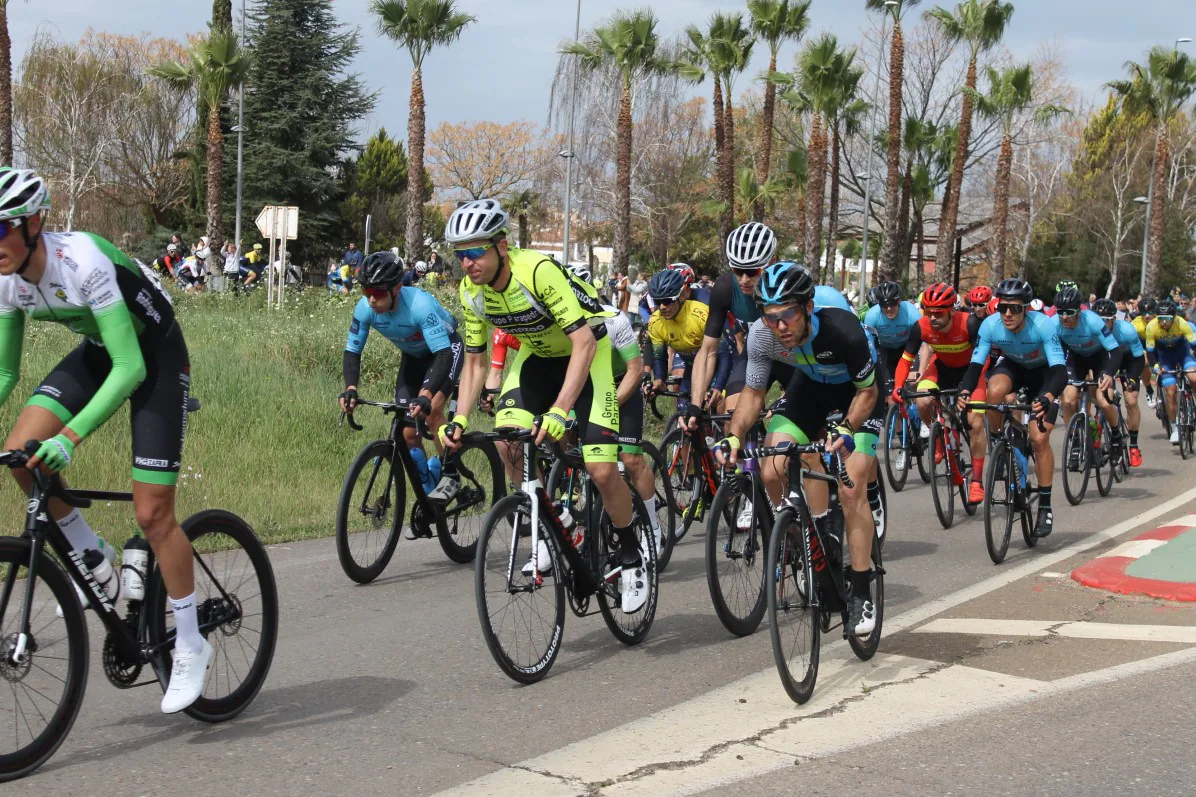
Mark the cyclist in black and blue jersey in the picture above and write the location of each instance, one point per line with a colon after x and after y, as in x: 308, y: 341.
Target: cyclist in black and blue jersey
x: 1090, y: 349
x: 1129, y: 368
x: 1031, y: 358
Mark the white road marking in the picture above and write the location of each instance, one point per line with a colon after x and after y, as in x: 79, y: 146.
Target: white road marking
x: 1135, y: 549
x: 1178, y: 634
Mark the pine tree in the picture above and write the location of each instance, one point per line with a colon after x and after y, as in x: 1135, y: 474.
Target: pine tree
x: 301, y: 105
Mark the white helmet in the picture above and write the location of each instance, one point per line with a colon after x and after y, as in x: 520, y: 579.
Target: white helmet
x: 477, y: 220
x: 581, y: 271
x: 421, y: 267
x: 751, y: 245
x: 172, y: 247
x: 22, y: 194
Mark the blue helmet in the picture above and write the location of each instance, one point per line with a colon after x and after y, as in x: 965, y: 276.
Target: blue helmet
x: 666, y: 284
x: 784, y: 283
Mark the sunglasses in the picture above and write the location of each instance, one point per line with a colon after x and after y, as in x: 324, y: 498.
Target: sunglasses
x: 1165, y: 319
x: 937, y: 313
x: 376, y: 293
x: 748, y: 272
x: 1108, y: 318
x: 666, y: 302
x: 889, y: 305
x: 473, y: 253
x: 775, y: 319
x: 1011, y: 309
x: 1068, y: 313
x: 7, y: 226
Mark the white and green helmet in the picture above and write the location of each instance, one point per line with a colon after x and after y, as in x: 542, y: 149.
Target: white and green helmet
x: 22, y: 193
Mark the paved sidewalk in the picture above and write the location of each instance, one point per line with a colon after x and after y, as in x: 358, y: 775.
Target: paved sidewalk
x: 1160, y: 564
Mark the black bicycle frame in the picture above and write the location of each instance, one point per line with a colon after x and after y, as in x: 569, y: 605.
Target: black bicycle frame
x: 824, y: 570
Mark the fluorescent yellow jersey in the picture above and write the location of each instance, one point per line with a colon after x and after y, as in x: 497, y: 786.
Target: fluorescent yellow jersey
x: 541, y: 305
x: 1179, y: 331
x: 1140, y: 327
x: 684, y: 332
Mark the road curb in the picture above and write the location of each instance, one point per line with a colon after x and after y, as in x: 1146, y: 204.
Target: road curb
x: 1109, y: 572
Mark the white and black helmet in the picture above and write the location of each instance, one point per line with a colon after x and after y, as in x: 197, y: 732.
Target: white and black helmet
x: 22, y: 193
x: 751, y: 245
x: 475, y: 221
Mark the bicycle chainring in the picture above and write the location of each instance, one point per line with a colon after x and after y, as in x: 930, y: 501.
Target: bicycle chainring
x: 122, y: 673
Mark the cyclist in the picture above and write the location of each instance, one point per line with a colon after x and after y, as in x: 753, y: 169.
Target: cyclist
x: 978, y: 298
x: 426, y: 334
x: 891, y: 319
x: 1169, y: 340
x: 1133, y: 355
x: 132, y: 349
x: 1090, y: 348
x: 677, y: 324
x: 564, y: 363
x: 1061, y: 286
x: 834, y: 371
x: 1148, y: 308
x: 1031, y: 359
x: 951, y: 335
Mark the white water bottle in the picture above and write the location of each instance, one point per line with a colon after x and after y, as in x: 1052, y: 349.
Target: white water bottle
x: 134, y: 563
x: 102, y: 572
x: 572, y: 533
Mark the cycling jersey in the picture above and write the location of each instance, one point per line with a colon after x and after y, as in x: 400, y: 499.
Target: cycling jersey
x: 683, y: 334
x: 1088, y: 337
x: 826, y: 296
x: 728, y: 302
x: 952, y: 347
x: 837, y: 351
x: 1139, y: 325
x: 1035, y: 345
x: 1126, y: 335
x: 418, y: 325
x: 1178, y: 333
x: 624, y: 344
x: 892, y: 333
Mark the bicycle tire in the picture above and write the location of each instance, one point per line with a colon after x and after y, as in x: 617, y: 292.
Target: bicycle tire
x: 895, y: 439
x: 865, y: 648
x: 211, y: 556
x: 689, y: 490
x: 1078, y: 441
x: 1182, y: 421
x: 1030, y: 501
x: 494, y: 564
x: 379, y: 453
x: 610, y: 600
x: 744, y: 568
x: 918, y: 448
x: 790, y: 605
x: 666, y: 512
x: 1001, y: 472
x: 1104, y: 454
x: 462, y: 547
x: 940, y: 478
x: 46, y: 625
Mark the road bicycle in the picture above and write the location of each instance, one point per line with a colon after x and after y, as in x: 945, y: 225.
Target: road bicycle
x: 43, y: 656
x: 1185, y: 412
x: 692, y: 470
x: 373, y: 499
x: 1011, y: 482
x: 951, y: 471
x: 521, y: 606
x: 808, y: 567
x: 1087, y: 448
x: 903, y: 441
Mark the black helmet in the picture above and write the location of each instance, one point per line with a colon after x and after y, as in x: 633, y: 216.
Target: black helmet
x: 1105, y: 308
x: 382, y: 270
x: 1068, y: 298
x: 873, y: 296
x: 888, y: 292
x: 783, y: 283
x: 1167, y: 307
x: 666, y: 284
x: 1014, y: 289
x: 1149, y: 306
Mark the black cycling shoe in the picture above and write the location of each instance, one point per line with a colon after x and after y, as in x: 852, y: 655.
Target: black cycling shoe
x: 861, y: 616
x: 1046, y: 522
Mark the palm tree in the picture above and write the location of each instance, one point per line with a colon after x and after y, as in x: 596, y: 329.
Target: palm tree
x: 214, y: 66
x: 917, y: 139
x: 775, y: 22
x: 981, y: 23
x: 522, y: 205
x: 730, y: 50
x: 796, y: 180
x: 1010, y: 93
x: 697, y: 53
x: 627, y: 43
x: 750, y: 193
x: 418, y: 25
x: 1159, y: 89
x: 846, y: 112
x: 5, y: 87
x: 888, y: 253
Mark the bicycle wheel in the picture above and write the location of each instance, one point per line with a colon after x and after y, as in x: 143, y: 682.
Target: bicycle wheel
x: 689, y: 488
x: 483, y: 482
x: 735, y: 557
x: 940, y: 477
x: 1183, y: 421
x: 792, y: 611
x: 1077, y: 459
x: 666, y: 514
x: 865, y: 647
x: 370, y: 512
x: 236, y: 599
x: 1029, y: 501
x: 42, y: 693
x: 963, y: 453
x: 630, y: 628
x: 999, y: 493
x: 1102, y: 458
x: 523, y: 621
x: 897, y: 449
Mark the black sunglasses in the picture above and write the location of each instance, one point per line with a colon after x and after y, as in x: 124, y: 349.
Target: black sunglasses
x: 1012, y: 309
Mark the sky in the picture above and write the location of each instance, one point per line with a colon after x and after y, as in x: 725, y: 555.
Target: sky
x: 502, y: 67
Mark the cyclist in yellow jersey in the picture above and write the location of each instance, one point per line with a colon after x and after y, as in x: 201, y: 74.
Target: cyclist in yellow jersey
x: 564, y: 363
x: 678, y: 323
x: 1170, y: 341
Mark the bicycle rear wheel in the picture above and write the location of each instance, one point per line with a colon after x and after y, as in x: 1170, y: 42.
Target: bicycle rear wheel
x: 792, y: 611
x: 236, y: 599
x: 735, y: 557
x: 999, y: 500
x: 666, y: 512
x: 483, y: 482
x: 630, y: 628
x: 44, y: 690
x: 523, y: 621
x: 370, y: 512
x: 1077, y: 459
x: 940, y: 477
x: 689, y: 486
x: 865, y: 647
x: 897, y: 449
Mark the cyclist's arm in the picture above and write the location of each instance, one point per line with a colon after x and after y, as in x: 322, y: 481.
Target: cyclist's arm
x: 1056, y: 378
x: 704, y: 367
x: 578, y: 371
x: 626, y: 348
x: 1187, y: 331
x: 747, y: 410
x: 12, y: 339
x: 630, y: 384
x: 726, y: 358
x: 115, y: 325
x: 912, y: 345
x: 660, y: 353
x: 359, y: 331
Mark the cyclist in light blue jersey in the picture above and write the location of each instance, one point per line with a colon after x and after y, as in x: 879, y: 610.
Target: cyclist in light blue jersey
x: 891, y: 320
x: 1090, y: 349
x: 826, y: 296
x: 1131, y: 364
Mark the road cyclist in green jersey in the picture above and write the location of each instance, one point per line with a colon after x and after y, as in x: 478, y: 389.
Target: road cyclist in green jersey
x: 564, y: 364
x: 132, y: 350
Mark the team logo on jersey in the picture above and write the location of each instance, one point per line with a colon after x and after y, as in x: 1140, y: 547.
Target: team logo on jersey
x: 509, y: 403
x: 355, y: 327
x: 61, y: 294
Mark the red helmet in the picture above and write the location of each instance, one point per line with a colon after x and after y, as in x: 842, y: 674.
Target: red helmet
x: 684, y: 269
x: 980, y: 295
x: 940, y: 295
x: 992, y: 305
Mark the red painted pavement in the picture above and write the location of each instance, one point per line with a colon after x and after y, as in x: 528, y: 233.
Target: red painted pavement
x: 1108, y: 573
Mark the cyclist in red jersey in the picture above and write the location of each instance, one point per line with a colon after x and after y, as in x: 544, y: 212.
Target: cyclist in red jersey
x: 951, y: 335
x: 500, y: 342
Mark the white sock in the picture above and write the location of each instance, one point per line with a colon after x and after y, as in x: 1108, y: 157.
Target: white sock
x: 186, y: 624
x: 80, y: 535
x: 650, y: 505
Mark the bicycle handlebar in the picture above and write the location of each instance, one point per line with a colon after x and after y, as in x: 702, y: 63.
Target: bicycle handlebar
x: 917, y: 394
x: 795, y: 449
x: 388, y: 408
x: 50, y: 483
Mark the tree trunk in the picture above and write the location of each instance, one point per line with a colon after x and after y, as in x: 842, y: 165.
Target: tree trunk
x: 950, y: 207
x: 215, y: 152
x: 764, y: 148
x: 815, y: 187
x: 888, y: 252
x: 5, y: 90
x: 920, y: 281
x: 802, y: 222
x: 727, y: 166
x: 1154, y: 251
x: 720, y: 141
x: 523, y: 241
x: 623, y: 181
x: 903, y: 243
x: 996, y: 270
x: 222, y: 15
x: 832, y: 228
x: 415, y: 170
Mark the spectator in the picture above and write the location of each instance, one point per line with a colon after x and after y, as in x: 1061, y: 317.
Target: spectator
x: 293, y: 276
x: 168, y: 263
x: 352, y: 258
x: 636, y: 291
x: 1123, y: 310
x: 179, y: 246
x: 232, y: 263
x: 624, y: 297
x: 436, y: 263
x: 1191, y: 314
x: 340, y: 278
x: 192, y: 274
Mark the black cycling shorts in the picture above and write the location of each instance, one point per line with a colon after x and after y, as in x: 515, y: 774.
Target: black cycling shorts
x: 631, y: 424
x: 158, y: 407
x: 413, y: 373
x: 886, y: 367
x: 1081, y: 366
x: 1031, y: 379
x: 780, y: 374
x: 807, y: 404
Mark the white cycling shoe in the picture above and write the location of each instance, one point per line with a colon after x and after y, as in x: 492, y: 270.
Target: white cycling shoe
x: 187, y: 676
x: 542, y: 559
x: 633, y: 583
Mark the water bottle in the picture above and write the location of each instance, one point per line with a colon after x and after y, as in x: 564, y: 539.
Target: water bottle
x: 134, y: 563
x: 572, y: 533
x: 102, y: 572
x: 434, y: 471
x: 421, y: 465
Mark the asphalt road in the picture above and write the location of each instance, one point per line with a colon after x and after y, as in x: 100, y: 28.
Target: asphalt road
x: 389, y: 689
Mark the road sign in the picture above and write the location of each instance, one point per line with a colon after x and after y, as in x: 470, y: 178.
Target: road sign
x: 286, y: 218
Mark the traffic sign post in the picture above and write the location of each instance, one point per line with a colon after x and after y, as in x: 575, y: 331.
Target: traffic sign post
x: 277, y: 224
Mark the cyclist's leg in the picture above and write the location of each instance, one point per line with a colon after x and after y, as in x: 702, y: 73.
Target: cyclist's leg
x: 436, y: 418
x: 930, y: 381
x: 407, y: 386
x: 1040, y: 439
x: 531, y: 385
x: 857, y: 512
x: 1000, y: 385
x: 736, y: 380
x: 801, y: 416
x: 631, y: 451
x: 779, y: 429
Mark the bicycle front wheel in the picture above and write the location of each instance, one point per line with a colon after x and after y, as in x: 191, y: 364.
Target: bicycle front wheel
x: 688, y: 483
x: 792, y: 611
x: 1102, y: 459
x: 940, y: 476
x: 735, y: 554
x: 236, y: 599
x: 522, y: 616
x: 370, y: 512
x: 897, y: 449
x: 1077, y: 459
x: 1000, y: 499
x: 44, y: 687
x: 483, y: 482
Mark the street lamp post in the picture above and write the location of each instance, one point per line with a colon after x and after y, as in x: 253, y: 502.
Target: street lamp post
x: 884, y: 25
x: 240, y: 131
x: 567, y: 154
